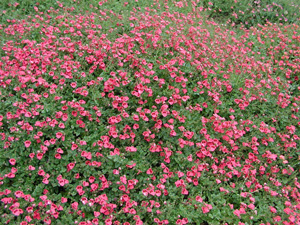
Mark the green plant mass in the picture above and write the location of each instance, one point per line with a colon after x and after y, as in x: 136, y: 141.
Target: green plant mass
x: 149, y: 112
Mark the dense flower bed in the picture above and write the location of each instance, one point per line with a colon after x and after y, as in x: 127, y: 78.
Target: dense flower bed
x: 163, y: 117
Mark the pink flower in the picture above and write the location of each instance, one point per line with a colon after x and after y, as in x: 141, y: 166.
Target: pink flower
x: 180, y: 174
x: 287, y: 211
x: 199, y: 199
x: 149, y: 171
x: 132, y: 211
x: 205, y: 209
x: 131, y: 149
x: 39, y: 156
x: 19, y: 194
x: 251, y: 206
x: 272, y: 209
x: 173, y: 133
x: 185, y: 221
x: 70, y: 166
x: 27, y: 144
x: 74, y: 205
x: 123, y: 179
x: 63, y: 200
x: 244, y: 194
x: 184, y: 191
x: 158, y: 193
x: 12, y: 161
x: 17, y: 212
x: 96, y: 214
x: 237, y: 213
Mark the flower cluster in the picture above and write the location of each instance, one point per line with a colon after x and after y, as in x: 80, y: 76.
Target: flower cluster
x: 151, y: 114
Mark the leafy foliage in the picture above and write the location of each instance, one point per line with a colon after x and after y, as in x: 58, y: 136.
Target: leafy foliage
x: 251, y: 13
x: 118, y: 112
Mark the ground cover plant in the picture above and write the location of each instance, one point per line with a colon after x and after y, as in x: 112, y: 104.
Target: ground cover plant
x: 251, y: 13
x: 116, y: 112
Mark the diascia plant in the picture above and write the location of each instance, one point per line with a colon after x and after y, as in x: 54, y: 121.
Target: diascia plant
x: 251, y: 13
x: 147, y: 113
